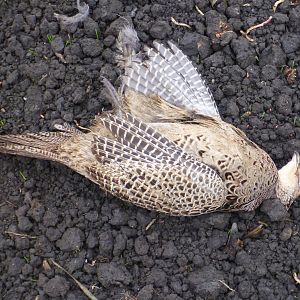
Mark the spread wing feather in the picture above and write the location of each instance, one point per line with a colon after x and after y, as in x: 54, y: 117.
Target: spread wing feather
x: 167, y: 73
x: 145, y: 168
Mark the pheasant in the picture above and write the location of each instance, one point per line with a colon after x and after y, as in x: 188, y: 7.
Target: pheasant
x: 164, y: 145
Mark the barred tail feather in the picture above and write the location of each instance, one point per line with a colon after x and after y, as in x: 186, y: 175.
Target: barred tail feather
x: 43, y: 145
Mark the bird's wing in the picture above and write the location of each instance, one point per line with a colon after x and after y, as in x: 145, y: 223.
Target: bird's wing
x: 169, y: 74
x: 145, y: 168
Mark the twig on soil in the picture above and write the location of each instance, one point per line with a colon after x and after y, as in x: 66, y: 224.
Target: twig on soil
x: 296, y: 278
x: 150, y: 224
x: 199, y: 10
x: 22, y: 235
x: 245, y: 33
x: 225, y: 284
x: 81, y: 286
x: 180, y: 24
x: 276, y: 4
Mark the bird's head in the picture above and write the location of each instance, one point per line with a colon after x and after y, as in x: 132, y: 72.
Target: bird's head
x: 288, y: 185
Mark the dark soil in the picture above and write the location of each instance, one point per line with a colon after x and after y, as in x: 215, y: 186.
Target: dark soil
x: 100, y: 240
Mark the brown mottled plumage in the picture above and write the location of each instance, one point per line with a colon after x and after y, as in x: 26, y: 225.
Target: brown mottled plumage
x: 164, y: 146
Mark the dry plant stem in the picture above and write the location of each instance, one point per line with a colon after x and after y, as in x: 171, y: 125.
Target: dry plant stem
x: 22, y: 235
x: 199, y: 10
x: 81, y: 286
x: 180, y: 24
x: 150, y: 224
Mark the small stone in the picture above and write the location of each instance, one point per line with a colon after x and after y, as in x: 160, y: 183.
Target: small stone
x: 232, y: 110
x: 275, y: 210
x: 141, y: 246
x: 157, y: 277
x: 24, y: 224
x: 284, y: 104
x: 91, y: 47
x: 290, y: 42
x: 294, y: 20
x: 27, y: 269
x: 198, y: 260
x: 12, y: 77
x: 286, y: 233
x: 18, y: 23
x: 204, y: 46
x: 169, y: 250
x: 91, y: 28
x: 245, y: 54
x: 15, y: 266
x: 233, y: 11
x: 272, y: 55
x: 71, y: 240
x: 205, y: 282
x: 218, y: 239
x: 119, y: 218
x: 189, y: 44
x: 146, y: 292
x: 229, y: 90
x: 92, y: 239
x: 57, y: 44
x: 269, y: 72
x: 34, y: 104
x: 107, y: 10
x: 119, y: 245
x: 160, y: 30
x: 22, y: 243
x: 245, y: 289
x: 279, y: 18
x: 106, y: 243
x: 56, y: 287
x: 113, y: 274
x: 50, y: 218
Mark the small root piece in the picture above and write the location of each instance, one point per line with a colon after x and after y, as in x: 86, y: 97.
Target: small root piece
x: 225, y: 284
x: 245, y: 33
x: 180, y: 24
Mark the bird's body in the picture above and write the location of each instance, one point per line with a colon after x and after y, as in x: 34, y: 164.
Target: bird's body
x: 164, y: 147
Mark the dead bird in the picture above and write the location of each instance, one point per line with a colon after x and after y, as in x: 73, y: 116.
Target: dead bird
x: 164, y: 145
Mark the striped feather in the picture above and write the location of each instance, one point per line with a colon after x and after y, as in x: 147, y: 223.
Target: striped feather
x: 169, y: 74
